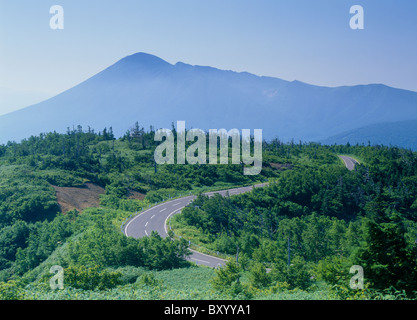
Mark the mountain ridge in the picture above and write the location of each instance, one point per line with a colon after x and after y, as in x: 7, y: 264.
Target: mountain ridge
x: 145, y: 88
x: 394, y: 134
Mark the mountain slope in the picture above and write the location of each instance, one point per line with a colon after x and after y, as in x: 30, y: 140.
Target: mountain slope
x: 399, y: 134
x: 147, y: 89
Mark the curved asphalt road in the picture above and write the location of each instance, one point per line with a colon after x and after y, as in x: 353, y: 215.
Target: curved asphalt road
x: 155, y: 219
x: 349, y: 162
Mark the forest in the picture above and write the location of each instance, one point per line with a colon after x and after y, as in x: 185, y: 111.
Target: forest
x: 296, y: 238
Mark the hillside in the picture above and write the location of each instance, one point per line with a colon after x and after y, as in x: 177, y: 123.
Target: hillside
x: 398, y: 134
x: 145, y: 88
x: 331, y: 218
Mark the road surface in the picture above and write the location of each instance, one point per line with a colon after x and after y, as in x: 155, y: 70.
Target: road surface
x: 349, y: 162
x: 156, y: 218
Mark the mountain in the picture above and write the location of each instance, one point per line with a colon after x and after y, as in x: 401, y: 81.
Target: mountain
x: 144, y: 88
x: 12, y: 99
x: 399, y: 134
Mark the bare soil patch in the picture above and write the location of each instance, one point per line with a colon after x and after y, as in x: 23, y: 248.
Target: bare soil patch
x: 80, y: 198
x: 132, y: 194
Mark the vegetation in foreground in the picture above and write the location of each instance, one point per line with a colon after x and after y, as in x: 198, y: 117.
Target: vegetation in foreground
x: 314, y: 221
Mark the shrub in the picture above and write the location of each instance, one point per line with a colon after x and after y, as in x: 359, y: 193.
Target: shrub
x: 90, y: 278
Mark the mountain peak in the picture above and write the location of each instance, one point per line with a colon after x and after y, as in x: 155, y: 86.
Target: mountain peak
x: 144, y: 59
x: 142, y: 87
x: 134, y: 65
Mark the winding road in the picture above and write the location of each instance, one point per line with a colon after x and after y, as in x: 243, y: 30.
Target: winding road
x: 156, y: 218
x: 349, y: 162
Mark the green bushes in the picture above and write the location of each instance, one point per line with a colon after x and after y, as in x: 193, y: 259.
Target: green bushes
x: 91, y: 278
x: 11, y: 290
x: 387, y: 258
x: 44, y: 237
x: 323, y: 216
x: 227, y: 281
x: 160, y: 195
x: 296, y: 275
x: 23, y: 196
x: 103, y: 245
x: 61, y: 178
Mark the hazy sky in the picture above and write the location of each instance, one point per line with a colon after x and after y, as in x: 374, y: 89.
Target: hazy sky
x: 306, y: 40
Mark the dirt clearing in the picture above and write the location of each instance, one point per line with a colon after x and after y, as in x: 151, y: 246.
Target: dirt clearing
x: 80, y: 198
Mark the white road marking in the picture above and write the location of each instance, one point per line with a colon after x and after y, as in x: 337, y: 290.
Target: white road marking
x: 178, y: 209
x: 173, y: 212
x: 146, y: 224
x: 203, y: 261
x: 134, y: 218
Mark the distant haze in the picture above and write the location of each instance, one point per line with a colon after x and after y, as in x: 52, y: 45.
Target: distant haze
x: 309, y: 41
x: 147, y: 89
x: 12, y: 100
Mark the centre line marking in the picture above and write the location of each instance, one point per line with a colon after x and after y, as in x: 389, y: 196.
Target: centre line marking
x: 163, y: 209
x: 176, y: 204
x: 154, y: 215
x: 146, y: 224
x: 204, y: 261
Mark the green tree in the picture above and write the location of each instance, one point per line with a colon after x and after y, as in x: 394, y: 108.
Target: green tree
x: 227, y: 279
x: 388, y: 260
x: 296, y: 274
x: 148, y: 279
x: 90, y: 278
x: 334, y: 270
x: 259, y: 278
